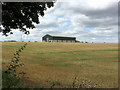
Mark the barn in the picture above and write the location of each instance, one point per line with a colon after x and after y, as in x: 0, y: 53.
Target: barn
x: 50, y: 38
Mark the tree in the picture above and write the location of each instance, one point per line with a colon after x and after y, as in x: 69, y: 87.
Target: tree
x: 22, y: 15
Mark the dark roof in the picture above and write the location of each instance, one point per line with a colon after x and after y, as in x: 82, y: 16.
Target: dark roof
x: 61, y: 36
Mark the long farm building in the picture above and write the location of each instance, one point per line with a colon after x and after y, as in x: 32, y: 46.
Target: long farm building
x: 50, y: 38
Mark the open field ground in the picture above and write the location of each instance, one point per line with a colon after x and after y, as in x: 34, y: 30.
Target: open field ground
x: 59, y: 63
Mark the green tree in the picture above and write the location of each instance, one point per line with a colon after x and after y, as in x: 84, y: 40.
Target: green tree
x: 22, y: 15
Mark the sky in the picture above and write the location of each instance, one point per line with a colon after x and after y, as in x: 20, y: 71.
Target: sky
x: 87, y: 20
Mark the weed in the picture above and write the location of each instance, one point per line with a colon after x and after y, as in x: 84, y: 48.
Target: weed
x: 52, y: 86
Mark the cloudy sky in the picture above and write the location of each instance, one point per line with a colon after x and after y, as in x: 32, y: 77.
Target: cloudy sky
x: 87, y: 20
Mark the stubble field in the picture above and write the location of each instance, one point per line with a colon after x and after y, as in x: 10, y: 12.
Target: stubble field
x: 60, y: 63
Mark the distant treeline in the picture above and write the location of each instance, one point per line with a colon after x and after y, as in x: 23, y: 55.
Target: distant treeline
x: 38, y: 41
x: 10, y: 41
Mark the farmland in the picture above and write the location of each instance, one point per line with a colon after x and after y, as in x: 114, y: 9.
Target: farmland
x: 59, y: 63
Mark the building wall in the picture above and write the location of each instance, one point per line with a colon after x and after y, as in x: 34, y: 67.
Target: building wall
x: 47, y: 38
x: 43, y: 41
x: 62, y: 40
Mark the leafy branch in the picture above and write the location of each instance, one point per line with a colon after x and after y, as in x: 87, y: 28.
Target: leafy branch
x: 14, y: 63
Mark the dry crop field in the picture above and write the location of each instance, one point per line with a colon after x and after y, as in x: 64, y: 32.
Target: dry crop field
x: 60, y: 63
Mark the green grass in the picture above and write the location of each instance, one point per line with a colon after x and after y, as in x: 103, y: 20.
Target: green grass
x: 46, y: 63
x: 10, y: 81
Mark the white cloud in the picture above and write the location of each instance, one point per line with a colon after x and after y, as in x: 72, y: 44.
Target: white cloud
x: 71, y: 18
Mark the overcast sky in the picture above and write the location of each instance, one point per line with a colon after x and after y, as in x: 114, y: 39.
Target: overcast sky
x: 87, y: 20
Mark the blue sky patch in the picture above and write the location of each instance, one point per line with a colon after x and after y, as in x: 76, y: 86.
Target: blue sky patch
x: 67, y: 21
x: 89, y: 29
x: 59, y: 16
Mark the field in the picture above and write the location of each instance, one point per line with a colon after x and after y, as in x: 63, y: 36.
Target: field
x: 60, y: 63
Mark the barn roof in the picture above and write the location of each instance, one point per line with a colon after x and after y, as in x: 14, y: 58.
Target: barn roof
x: 61, y: 36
